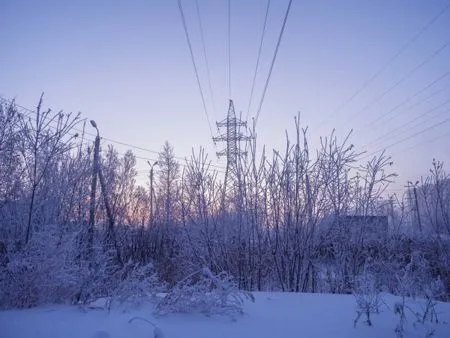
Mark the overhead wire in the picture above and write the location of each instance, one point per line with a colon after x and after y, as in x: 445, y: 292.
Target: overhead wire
x: 408, y: 99
x: 422, y: 143
x: 273, y: 61
x: 405, y: 110
x: 26, y: 112
x: 229, y: 49
x: 436, y: 125
x: 261, y: 41
x: 208, y: 73
x: 183, y: 19
x: 180, y: 164
x: 398, y: 82
x: 271, y: 67
x: 374, y: 76
x: 29, y: 112
x: 401, y: 129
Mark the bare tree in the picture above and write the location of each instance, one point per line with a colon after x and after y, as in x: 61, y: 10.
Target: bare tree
x: 44, y: 136
x: 168, y: 175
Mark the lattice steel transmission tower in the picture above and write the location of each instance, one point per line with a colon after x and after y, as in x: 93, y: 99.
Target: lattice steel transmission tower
x: 232, y: 138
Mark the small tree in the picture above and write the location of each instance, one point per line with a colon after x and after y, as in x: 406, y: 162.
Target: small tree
x: 168, y: 175
x: 367, y: 295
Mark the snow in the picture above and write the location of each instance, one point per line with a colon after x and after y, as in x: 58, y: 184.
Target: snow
x: 273, y: 315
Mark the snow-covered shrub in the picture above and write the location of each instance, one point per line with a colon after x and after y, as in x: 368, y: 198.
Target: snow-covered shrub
x: 54, y: 268
x: 44, y: 271
x: 415, y: 281
x: 423, y: 320
x: 367, y: 295
x: 204, y: 292
x: 415, y: 276
x: 137, y: 284
x: 433, y: 291
x: 131, y: 284
x: 17, y: 288
x: 98, y: 279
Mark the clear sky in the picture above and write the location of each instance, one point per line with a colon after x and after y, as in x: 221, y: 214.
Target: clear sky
x: 126, y: 64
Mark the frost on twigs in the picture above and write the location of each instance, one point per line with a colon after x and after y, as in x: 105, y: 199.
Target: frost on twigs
x: 137, y: 285
x: 41, y: 273
x: 204, y: 292
x: 368, y: 299
x: 416, y: 280
x: 130, y: 285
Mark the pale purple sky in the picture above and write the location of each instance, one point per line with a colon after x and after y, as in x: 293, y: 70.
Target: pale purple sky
x: 126, y: 65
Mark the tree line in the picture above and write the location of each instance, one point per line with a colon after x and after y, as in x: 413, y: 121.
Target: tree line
x: 283, y: 224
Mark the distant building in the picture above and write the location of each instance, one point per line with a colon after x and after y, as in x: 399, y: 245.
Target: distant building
x: 370, y: 228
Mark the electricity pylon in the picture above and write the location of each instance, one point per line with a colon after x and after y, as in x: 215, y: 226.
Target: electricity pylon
x: 232, y: 138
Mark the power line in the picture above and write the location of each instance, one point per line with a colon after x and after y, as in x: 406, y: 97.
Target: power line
x: 380, y: 138
x: 229, y: 49
x: 407, y: 109
x: 273, y: 60
x: 208, y: 73
x: 258, y: 59
x: 183, y: 19
x: 440, y: 123
x: 148, y: 150
x: 408, y: 44
x: 419, y: 144
x: 180, y: 164
x: 30, y: 111
x: 400, y: 81
x: 140, y: 148
x: 380, y: 117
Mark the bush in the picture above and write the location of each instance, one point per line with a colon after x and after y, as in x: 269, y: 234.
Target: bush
x: 367, y: 295
x: 53, y: 268
x: 43, y: 272
x: 204, y: 292
x: 415, y: 281
x: 137, y: 284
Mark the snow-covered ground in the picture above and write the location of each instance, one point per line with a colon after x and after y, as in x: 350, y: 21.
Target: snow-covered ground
x: 273, y: 315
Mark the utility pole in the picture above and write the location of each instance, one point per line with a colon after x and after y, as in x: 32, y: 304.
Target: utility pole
x: 232, y: 138
x: 111, y: 235
x: 150, y: 221
x: 417, y: 207
x: 416, y: 200
x: 93, y: 190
